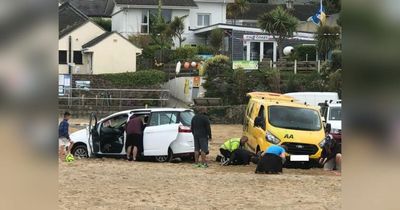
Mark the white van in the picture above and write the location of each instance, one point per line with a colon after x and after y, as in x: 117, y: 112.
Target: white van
x: 314, y: 98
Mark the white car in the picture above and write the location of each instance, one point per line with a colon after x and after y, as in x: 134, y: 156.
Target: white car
x: 167, y: 134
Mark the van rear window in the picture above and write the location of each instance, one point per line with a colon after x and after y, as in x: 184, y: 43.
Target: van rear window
x: 294, y: 118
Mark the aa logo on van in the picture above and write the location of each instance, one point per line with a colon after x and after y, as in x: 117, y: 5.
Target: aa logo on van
x: 288, y: 136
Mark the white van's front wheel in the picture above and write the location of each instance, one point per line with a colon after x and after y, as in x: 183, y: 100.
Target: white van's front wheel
x: 165, y: 158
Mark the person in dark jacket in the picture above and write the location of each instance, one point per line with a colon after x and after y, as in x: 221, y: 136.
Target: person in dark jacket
x: 331, y: 156
x: 201, y: 131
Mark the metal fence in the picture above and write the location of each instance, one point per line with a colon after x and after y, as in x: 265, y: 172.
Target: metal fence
x: 294, y: 66
x: 112, y: 99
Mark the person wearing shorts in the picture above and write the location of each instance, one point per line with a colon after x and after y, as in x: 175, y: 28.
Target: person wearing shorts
x: 201, y: 131
x: 134, y: 132
x: 64, y: 142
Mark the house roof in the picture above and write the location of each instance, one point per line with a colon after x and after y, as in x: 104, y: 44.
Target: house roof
x: 102, y: 37
x: 94, y: 8
x: 180, y: 3
x: 302, y: 12
x: 69, y: 19
x: 96, y: 40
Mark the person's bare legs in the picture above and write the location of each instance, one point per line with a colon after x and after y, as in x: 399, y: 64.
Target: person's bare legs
x: 128, y: 152
x: 135, y: 150
x: 69, y: 148
x: 61, y: 152
x: 196, y: 157
x: 338, y: 164
x: 203, y: 157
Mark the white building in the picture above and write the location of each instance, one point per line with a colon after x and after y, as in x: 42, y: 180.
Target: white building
x: 86, y: 48
x: 132, y: 17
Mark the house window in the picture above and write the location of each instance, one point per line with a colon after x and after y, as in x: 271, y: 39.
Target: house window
x: 62, y: 57
x: 144, y: 29
x: 150, y: 15
x: 78, y: 57
x: 203, y: 19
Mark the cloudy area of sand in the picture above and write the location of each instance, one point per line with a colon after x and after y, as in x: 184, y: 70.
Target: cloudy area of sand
x: 108, y: 183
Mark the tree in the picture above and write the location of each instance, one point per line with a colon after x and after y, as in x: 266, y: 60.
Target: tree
x: 280, y: 23
x: 327, y: 39
x: 237, y: 9
x: 160, y: 33
x: 104, y: 23
x: 177, y: 28
x: 216, y: 39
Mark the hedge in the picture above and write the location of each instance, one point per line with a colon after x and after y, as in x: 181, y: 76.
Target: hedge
x: 140, y: 78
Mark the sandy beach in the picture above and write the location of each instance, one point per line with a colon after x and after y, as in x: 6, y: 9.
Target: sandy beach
x: 107, y: 183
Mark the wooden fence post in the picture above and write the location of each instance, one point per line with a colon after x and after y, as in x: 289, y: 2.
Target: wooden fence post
x: 295, y: 66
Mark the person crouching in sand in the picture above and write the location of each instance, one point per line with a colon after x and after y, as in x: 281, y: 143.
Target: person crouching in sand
x: 272, y: 160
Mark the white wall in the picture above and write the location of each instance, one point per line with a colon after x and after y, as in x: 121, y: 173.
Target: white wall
x: 177, y: 89
x: 127, y: 22
x: 217, y: 11
x: 80, y: 36
x: 114, y: 55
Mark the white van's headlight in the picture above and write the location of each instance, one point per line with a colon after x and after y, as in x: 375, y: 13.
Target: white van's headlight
x: 321, y: 144
x: 271, y: 138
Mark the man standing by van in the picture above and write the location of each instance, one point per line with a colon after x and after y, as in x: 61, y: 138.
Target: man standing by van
x: 201, y: 131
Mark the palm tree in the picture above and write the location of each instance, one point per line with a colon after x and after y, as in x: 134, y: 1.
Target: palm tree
x: 327, y: 39
x: 216, y: 39
x: 238, y: 8
x: 177, y: 28
x: 280, y: 23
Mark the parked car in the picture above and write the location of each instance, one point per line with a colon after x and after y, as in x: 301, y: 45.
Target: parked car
x: 332, y: 113
x: 276, y: 119
x: 166, y: 134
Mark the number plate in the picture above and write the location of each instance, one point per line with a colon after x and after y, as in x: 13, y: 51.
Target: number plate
x: 299, y: 158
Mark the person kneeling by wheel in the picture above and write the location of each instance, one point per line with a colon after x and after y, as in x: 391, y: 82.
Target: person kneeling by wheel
x: 229, y: 148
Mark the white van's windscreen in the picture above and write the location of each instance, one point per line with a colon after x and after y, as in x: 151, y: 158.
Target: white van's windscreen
x: 335, y: 113
x: 294, y: 118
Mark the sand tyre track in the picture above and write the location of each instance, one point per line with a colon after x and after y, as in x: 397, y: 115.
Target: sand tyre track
x: 80, y: 151
x: 166, y: 158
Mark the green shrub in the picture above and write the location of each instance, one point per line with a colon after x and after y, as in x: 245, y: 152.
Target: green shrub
x: 335, y: 81
x: 204, y: 49
x: 303, y: 52
x: 217, y: 65
x: 336, y: 60
x: 138, y: 79
x: 185, y: 53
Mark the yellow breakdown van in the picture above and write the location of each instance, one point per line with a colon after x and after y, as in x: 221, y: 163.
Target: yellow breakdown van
x: 273, y: 118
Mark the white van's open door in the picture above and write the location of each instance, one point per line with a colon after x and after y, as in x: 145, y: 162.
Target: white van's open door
x: 162, y: 130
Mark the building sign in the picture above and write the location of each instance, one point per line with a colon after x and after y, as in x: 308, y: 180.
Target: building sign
x: 82, y: 84
x: 246, y: 65
x: 64, y: 82
x: 258, y: 38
